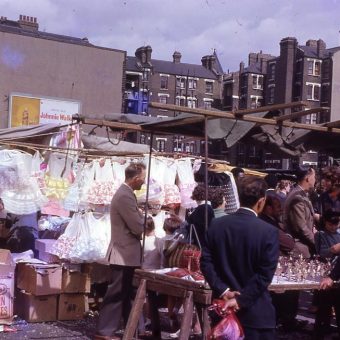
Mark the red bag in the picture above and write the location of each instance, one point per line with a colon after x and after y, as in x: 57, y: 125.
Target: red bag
x: 190, y: 259
x: 229, y: 328
x: 182, y: 272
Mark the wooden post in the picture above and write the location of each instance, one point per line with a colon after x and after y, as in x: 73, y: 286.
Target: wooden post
x: 187, y: 316
x: 136, y: 311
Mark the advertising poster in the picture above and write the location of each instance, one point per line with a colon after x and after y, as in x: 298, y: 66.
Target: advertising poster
x: 26, y: 110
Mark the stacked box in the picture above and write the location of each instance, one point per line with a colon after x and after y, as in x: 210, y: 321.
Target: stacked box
x: 44, y: 246
x: 49, y: 292
x: 40, y: 286
x: 7, y: 272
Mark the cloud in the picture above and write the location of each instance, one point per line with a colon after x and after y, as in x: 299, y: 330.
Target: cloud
x: 193, y: 27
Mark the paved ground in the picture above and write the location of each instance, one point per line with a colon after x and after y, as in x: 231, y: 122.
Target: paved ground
x: 85, y: 329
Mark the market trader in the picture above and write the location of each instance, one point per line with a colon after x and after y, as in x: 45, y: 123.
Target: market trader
x: 124, y: 253
x: 239, y: 260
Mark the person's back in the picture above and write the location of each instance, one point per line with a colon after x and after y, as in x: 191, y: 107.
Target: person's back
x: 240, y: 252
x: 239, y: 260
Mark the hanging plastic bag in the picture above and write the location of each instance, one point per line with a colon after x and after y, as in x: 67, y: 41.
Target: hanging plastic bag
x: 229, y: 328
x: 66, y: 242
x: 94, y: 238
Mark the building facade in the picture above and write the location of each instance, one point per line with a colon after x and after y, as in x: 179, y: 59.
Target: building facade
x: 307, y: 72
x: 171, y: 82
x: 49, y: 65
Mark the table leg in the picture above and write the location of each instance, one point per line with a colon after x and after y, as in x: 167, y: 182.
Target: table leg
x: 136, y: 311
x: 202, y: 312
x: 154, y: 314
x: 187, y: 316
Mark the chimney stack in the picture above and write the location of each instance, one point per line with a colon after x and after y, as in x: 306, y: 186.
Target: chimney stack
x: 177, y: 57
x: 321, y: 47
x: 28, y: 23
x: 143, y: 54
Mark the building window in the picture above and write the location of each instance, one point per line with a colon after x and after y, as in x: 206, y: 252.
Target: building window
x: 178, y: 144
x: 207, y: 104
x: 209, y: 87
x: 311, y: 119
x: 180, y: 82
x: 142, y: 139
x: 160, y: 144
x: 146, y: 74
x: 190, y: 147
x: 257, y: 82
x: 272, y: 68
x: 271, y: 95
x: 313, y: 91
x: 192, y: 83
x: 255, y: 102
x: 314, y: 67
x: 163, y: 99
x: 180, y: 101
x: 192, y: 102
x: 164, y: 82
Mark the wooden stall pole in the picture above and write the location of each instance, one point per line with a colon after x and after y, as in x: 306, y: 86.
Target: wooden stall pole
x: 206, y: 150
x: 187, y: 316
x: 136, y: 311
x: 147, y: 197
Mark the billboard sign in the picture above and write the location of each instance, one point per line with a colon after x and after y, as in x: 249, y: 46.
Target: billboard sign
x: 28, y: 110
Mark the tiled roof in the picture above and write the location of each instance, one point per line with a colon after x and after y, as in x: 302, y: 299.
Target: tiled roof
x: 312, y: 52
x: 169, y: 67
x: 253, y: 68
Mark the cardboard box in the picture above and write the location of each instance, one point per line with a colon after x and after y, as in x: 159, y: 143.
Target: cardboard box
x: 75, y: 282
x: 36, y: 308
x: 39, y: 279
x: 44, y: 245
x: 7, y: 270
x: 48, y: 258
x: 72, y: 306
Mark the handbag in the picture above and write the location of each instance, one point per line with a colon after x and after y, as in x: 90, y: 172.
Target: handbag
x: 229, y: 327
x: 186, y: 255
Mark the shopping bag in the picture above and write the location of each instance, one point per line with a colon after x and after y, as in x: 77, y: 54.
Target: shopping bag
x: 229, y: 327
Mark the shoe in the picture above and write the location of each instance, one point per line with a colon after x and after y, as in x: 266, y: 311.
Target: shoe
x: 105, y: 337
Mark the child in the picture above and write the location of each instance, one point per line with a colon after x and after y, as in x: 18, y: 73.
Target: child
x: 152, y: 247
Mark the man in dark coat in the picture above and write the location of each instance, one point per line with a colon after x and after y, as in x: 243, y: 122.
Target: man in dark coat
x: 239, y: 261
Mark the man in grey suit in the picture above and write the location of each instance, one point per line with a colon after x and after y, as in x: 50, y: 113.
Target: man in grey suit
x: 124, y: 253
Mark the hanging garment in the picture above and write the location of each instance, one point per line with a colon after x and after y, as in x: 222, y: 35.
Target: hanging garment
x: 25, y: 197
x: 186, y: 182
x: 103, y: 186
x: 171, y: 190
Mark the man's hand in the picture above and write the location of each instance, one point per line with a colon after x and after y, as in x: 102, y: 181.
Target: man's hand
x: 229, y: 295
x: 326, y: 283
x: 335, y: 249
x: 230, y: 301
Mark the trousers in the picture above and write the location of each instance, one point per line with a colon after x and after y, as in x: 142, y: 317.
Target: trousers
x: 117, y: 301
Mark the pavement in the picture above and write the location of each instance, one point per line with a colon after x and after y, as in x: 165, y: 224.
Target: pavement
x: 85, y: 329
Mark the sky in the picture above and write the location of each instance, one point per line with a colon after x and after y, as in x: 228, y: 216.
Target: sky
x: 234, y: 28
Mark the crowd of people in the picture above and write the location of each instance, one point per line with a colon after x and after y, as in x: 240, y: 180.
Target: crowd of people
x: 240, y: 251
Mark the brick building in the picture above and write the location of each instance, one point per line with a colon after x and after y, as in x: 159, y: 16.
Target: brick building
x: 171, y: 82
x: 309, y: 72
x: 49, y: 65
